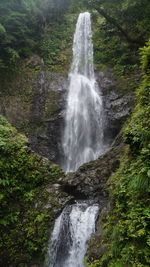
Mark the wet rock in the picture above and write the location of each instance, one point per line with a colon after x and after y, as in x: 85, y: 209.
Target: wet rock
x: 91, y: 178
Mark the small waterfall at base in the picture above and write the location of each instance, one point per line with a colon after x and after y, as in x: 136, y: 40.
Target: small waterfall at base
x: 72, y: 230
x: 83, y: 134
x: 82, y: 141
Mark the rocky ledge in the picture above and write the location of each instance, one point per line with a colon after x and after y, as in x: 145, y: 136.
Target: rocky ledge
x: 91, y: 178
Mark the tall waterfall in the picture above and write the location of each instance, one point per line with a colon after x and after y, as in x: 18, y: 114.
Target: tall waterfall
x: 83, y: 135
x: 82, y: 142
x: 72, y: 230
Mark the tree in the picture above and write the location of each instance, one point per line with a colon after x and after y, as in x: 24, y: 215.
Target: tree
x: 22, y: 24
x: 130, y: 18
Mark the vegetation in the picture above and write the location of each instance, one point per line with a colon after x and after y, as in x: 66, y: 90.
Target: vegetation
x: 51, y: 47
x: 24, y: 219
x: 121, y: 27
x: 22, y: 24
x: 45, y: 28
x: 42, y: 27
x: 127, y: 230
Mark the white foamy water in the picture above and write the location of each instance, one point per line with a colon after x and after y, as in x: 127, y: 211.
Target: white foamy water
x: 72, y: 230
x: 83, y: 134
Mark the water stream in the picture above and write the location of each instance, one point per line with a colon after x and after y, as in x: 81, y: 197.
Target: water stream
x: 82, y: 141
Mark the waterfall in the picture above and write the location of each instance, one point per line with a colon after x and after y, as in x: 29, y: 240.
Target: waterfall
x: 82, y: 141
x: 83, y: 134
x: 72, y: 230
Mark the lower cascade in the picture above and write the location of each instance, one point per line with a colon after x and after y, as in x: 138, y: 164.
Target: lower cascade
x: 72, y: 230
x: 82, y: 141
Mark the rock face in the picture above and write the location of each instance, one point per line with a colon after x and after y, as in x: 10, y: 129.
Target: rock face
x: 47, y: 113
x: 117, y: 100
x: 35, y: 101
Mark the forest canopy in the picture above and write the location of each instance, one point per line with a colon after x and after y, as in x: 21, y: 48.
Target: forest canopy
x: 23, y: 23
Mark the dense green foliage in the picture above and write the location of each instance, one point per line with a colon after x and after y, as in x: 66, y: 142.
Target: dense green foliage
x: 35, y: 26
x: 22, y: 24
x: 127, y: 230
x: 53, y: 44
x: 120, y: 28
x: 24, y: 219
x: 18, y: 31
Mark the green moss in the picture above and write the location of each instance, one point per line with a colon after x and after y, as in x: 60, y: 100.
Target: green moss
x: 24, y: 221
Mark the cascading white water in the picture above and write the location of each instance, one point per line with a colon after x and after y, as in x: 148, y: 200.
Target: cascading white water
x: 72, y: 230
x: 82, y: 142
x: 83, y: 135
